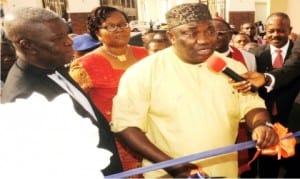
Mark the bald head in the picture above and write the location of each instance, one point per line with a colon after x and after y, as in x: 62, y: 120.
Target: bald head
x: 23, y: 22
x: 280, y: 15
x: 39, y: 36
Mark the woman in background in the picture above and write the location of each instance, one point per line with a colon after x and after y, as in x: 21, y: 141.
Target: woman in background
x: 99, y: 71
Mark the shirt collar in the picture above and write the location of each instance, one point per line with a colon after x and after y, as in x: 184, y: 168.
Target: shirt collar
x: 24, y: 65
x: 283, y: 49
x: 227, y: 52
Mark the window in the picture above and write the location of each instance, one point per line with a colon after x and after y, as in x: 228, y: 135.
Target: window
x: 216, y: 7
x: 58, y: 6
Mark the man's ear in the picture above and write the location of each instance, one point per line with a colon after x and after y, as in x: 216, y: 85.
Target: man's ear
x: 291, y: 29
x: 171, y: 37
x: 24, y: 44
x: 27, y: 46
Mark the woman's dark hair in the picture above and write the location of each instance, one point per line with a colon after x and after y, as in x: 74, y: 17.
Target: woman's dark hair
x: 98, y: 16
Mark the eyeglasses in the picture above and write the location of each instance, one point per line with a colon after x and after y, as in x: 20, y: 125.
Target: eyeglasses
x: 113, y: 27
x: 193, y: 33
x: 220, y: 33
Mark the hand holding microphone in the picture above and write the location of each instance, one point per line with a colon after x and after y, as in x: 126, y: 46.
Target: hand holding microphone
x: 217, y: 64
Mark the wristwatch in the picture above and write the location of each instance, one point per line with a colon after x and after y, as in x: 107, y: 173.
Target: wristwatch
x: 267, y: 123
x: 268, y: 80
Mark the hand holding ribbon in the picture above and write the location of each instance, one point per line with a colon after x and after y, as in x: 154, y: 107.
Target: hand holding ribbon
x: 285, y: 148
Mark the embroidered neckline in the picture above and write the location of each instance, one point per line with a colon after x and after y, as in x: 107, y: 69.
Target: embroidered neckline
x: 121, y: 58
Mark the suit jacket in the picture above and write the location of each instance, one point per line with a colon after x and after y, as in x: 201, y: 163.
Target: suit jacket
x: 247, y: 58
x: 283, y: 96
x: 24, y: 79
x: 294, y: 122
x: 290, y: 71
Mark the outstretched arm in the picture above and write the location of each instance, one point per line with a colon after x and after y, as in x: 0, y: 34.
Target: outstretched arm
x: 288, y: 73
x: 137, y: 141
x: 264, y: 135
x: 282, y: 76
x: 254, y: 78
x: 290, y: 70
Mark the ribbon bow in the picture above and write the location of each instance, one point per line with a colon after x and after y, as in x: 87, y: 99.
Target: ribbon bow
x: 285, y: 148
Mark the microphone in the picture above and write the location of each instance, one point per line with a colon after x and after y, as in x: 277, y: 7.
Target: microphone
x: 216, y: 64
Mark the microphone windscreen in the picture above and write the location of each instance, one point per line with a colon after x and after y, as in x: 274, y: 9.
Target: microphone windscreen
x: 215, y: 63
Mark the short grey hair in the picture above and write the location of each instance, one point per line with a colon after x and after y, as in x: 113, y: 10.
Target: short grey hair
x: 19, y: 22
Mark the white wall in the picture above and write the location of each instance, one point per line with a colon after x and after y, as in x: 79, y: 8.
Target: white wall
x: 260, y: 11
x: 21, y: 3
x: 155, y: 10
x: 293, y: 12
x: 74, y: 5
x: 158, y: 8
x: 291, y: 7
x: 82, y: 5
x: 241, y: 5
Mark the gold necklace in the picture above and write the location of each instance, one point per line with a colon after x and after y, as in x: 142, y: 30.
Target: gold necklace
x: 121, y: 58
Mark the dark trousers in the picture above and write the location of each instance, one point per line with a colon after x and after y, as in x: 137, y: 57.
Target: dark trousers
x: 269, y: 166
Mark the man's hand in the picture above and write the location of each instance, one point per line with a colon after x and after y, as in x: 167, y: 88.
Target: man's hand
x: 254, y: 78
x: 182, y: 170
x: 265, y: 136
x: 137, y: 140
